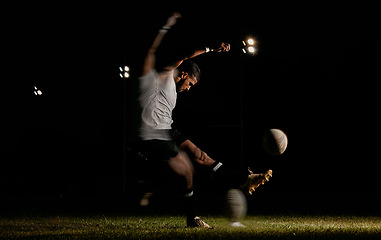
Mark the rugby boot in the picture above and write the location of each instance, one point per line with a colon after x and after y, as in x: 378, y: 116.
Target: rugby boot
x: 255, y: 180
x: 197, y: 222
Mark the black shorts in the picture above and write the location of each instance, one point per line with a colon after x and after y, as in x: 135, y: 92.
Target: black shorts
x: 162, y: 150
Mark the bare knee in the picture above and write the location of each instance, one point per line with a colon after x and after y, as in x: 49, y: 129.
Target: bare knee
x: 183, y: 168
x: 181, y: 165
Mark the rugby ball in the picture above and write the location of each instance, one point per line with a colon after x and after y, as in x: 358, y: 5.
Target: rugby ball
x: 236, y: 205
x: 274, y: 142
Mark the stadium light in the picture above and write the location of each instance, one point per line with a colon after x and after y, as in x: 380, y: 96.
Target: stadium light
x: 248, y: 46
x: 36, y: 91
x: 124, y: 72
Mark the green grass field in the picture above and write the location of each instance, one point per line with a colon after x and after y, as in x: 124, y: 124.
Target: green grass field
x: 173, y: 227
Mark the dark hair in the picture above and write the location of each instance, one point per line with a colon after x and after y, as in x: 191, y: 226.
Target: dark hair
x: 191, y: 68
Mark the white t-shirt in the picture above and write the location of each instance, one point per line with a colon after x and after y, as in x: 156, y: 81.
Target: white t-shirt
x: 157, y: 99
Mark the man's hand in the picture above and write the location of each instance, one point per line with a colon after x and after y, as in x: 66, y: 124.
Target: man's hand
x: 172, y: 20
x: 224, y: 47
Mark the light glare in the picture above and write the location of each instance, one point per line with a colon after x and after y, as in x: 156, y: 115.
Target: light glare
x: 124, y: 72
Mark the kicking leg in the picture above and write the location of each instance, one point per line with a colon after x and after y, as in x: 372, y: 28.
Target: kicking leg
x: 199, y: 156
x: 246, y: 180
x: 225, y: 175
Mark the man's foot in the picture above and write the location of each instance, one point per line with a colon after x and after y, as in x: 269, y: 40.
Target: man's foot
x: 197, y: 222
x: 255, y: 180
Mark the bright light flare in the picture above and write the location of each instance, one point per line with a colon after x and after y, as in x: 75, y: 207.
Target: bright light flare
x: 124, y: 72
x: 36, y: 91
x: 249, y: 46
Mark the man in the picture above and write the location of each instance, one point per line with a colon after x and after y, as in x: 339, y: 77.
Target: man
x: 158, y: 88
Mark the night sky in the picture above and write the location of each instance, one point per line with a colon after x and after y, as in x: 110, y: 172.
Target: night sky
x: 315, y: 75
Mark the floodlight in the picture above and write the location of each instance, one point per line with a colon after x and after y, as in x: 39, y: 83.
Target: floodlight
x: 124, y: 72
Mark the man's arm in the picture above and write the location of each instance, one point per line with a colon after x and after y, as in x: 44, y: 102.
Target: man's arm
x: 150, y: 60
x: 223, y: 47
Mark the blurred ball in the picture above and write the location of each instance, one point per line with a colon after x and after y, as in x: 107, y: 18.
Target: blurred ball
x: 274, y: 142
x: 236, y: 205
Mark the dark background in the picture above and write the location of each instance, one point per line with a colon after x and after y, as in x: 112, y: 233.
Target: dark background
x: 316, y: 76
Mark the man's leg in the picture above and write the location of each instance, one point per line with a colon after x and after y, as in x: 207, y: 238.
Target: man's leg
x: 184, y: 168
x: 246, y: 180
x: 166, y: 151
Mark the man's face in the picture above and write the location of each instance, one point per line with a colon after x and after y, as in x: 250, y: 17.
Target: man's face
x: 185, y: 83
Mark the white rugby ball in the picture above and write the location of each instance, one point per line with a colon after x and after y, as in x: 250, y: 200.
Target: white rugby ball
x: 274, y: 142
x: 236, y: 205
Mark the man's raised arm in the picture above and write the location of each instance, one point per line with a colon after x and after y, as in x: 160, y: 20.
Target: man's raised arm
x: 150, y: 60
x: 223, y: 47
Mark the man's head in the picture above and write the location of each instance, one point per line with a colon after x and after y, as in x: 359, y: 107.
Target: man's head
x: 188, y: 75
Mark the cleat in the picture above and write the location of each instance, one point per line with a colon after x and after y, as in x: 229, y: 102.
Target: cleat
x: 255, y: 180
x: 197, y: 222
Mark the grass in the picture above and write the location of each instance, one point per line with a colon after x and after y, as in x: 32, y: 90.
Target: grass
x: 172, y: 227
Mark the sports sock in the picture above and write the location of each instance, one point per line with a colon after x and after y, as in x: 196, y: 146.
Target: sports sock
x: 188, y: 204
x: 227, y: 176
